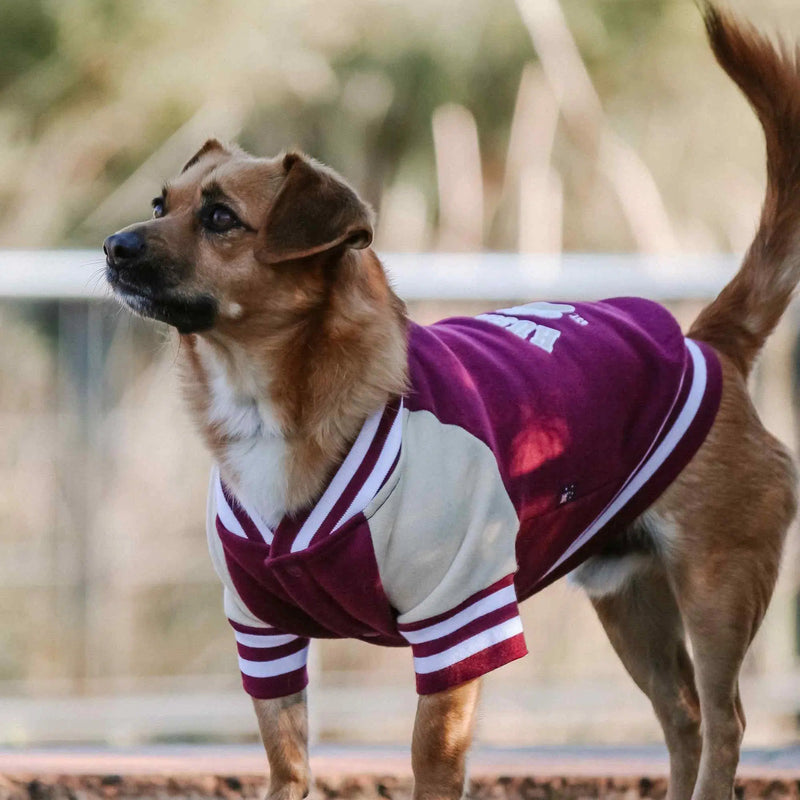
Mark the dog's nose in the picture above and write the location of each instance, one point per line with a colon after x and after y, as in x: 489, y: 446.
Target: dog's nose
x: 121, y: 247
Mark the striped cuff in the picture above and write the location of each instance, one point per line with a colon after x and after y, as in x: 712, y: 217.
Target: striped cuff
x: 273, y: 664
x: 479, y: 635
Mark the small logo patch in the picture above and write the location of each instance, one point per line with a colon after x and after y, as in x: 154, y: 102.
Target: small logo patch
x: 567, y: 494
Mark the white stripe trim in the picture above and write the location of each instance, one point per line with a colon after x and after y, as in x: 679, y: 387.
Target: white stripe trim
x: 339, y: 483
x: 264, y: 529
x: 224, y: 512
x: 270, y: 669
x: 659, y: 456
x: 391, y: 447
x: 502, y: 597
x: 228, y: 518
x: 264, y: 641
x: 475, y: 644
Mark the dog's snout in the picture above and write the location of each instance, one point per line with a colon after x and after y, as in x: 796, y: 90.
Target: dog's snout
x: 125, y: 246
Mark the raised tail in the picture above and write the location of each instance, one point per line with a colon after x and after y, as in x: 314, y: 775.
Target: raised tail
x: 745, y: 313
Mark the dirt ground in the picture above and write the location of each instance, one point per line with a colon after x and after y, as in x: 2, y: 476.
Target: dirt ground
x: 116, y: 787
x: 238, y: 772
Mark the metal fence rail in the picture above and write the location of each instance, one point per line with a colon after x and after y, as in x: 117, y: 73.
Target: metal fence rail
x: 73, y: 274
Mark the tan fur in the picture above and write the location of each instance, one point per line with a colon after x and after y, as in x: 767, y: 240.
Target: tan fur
x: 309, y: 339
x: 746, y: 312
x: 324, y: 339
x: 327, y: 354
x: 720, y: 529
x: 442, y: 736
x: 283, y: 725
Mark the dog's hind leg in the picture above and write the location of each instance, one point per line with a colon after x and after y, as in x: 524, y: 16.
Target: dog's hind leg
x: 721, y: 623
x: 723, y: 597
x: 644, y: 625
x: 719, y: 529
x: 723, y: 600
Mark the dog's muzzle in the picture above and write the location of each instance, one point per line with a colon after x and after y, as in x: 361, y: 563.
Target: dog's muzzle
x: 146, y: 286
x: 121, y: 248
x: 126, y: 263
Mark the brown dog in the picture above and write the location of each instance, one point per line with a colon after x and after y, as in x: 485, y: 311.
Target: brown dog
x: 293, y: 338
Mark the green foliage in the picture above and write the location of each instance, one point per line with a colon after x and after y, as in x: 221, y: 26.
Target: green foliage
x: 91, y: 90
x: 28, y: 35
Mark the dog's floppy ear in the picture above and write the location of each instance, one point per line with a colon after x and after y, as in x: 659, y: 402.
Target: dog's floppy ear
x: 209, y: 146
x: 314, y: 211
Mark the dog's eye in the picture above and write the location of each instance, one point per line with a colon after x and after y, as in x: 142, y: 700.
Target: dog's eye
x: 158, y: 207
x: 219, y: 219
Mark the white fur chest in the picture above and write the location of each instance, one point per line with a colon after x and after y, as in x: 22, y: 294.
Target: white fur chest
x: 254, y: 460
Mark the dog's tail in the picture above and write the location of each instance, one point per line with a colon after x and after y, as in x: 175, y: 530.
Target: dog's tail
x: 747, y: 310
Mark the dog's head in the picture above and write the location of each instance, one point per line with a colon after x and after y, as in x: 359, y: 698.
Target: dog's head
x: 235, y: 237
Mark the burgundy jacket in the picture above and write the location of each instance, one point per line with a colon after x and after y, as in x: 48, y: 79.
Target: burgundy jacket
x: 527, y: 439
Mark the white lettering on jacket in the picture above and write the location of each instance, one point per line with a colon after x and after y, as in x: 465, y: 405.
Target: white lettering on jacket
x: 534, y: 332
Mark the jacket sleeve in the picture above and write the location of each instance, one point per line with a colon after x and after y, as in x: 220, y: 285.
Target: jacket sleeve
x: 445, y: 547
x: 272, y: 663
x: 476, y: 636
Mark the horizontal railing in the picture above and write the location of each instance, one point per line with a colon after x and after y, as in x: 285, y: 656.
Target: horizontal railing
x: 77, y: 274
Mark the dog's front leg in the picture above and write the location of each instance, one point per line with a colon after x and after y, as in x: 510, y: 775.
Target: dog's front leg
x: 283, y: 723
x: 442, y: 736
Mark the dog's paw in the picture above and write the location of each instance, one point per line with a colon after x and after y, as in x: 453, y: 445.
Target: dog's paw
x: 291, y: 791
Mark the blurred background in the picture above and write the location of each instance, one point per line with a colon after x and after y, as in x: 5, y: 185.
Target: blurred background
x: 557, y: 149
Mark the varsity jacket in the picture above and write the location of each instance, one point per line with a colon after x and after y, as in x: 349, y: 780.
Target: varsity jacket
x: 527, y: 439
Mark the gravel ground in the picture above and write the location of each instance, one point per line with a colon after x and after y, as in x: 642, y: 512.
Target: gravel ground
x: 356, y: 787
x: 231, y: 773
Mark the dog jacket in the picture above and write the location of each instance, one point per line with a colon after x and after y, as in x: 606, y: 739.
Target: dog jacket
x: 527, y: 439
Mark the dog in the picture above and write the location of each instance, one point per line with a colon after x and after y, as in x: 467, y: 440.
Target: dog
x: 409, y: 485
